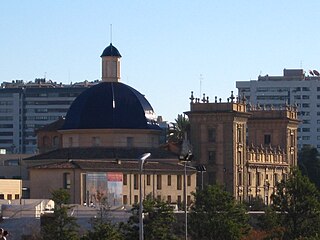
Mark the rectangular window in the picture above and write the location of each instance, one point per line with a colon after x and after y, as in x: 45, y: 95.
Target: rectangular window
x: 1, y: 196
x: 136, y: 199
x: 258, y: 179
x: 188, y: 200
x: 169, y: 199
x: 96, y: 141
x: 212, y: 157
x: 125, y: 199
x: 305, y: 105
x: 16, y: 196
x: 305, y: 129
x: 249, y: 179
x: 305, y: 97
x: 159, y: 183
x: 267, y: 139
x: 276, y: 179
x: 239, y: 134
x: 239, y: 179
x: 9, y: 196
x: 179, y: 200
x: 169, y: 180
x: 135, y: 181
x: 125, y: 179
x: 179, y: 182
x: 189, y: 180
x: 70, y: 142
x: 66, y: 180
x: 211, y: 178
x: 211, y: 135
x: 129, y: 142
x: 148, y: 180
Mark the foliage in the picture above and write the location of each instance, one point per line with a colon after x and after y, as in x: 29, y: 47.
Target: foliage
x: 270, y: 223
x: 179, y: 130
x: 61, y: 225
x: 297, y: 201
x: 256, y: 204
x: 216, y: 215
x: 158, y: 221
x: 309, y: 164
x: 103, y: 231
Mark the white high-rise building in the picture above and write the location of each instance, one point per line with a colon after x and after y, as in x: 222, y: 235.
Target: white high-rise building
x: 25, y: 107
x: 295, y: 87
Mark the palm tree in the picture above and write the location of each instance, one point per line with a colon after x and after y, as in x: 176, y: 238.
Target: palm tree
x: 179, y: 130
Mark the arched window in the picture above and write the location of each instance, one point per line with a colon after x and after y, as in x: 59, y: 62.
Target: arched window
x: 45, y: 141
x: 55, y: 141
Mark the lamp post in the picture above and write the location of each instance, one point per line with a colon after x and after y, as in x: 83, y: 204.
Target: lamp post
x: 187, y: 158
x: 141, y: 160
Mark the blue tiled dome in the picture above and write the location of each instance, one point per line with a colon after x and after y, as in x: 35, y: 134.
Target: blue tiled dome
x: 110, y: 105
x: 111, y: 51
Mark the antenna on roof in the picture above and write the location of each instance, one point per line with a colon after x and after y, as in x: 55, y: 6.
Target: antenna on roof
x: 201, y: 78
x: 111, y: 33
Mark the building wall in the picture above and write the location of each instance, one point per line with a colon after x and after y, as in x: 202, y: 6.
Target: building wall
x: 220, y: 133
x: 110, y: 138
x: 10, y: 189
x: 44, y: 181
x: 218, y: 140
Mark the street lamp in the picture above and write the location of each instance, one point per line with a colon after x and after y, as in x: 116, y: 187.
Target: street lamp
x: 186, y: 158
x: 141, y: 160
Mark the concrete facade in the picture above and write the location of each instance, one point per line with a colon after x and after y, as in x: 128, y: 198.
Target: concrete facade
x: 28, y: 106
x: 295, y: 87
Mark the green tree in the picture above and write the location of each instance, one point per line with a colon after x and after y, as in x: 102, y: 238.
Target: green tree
x: 179, y: 129
x: 297, y: 201
x: 60, y: 225
x: 309, y: 164
x: 217, y: 215
x: 103, y: 231
x: 158, y: 221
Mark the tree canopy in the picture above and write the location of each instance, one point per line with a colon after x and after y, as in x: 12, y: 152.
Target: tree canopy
x: 309, y: 164
x: 60, y: 225
x: 158, y: 221
x: 179, y: 129
x: 298, y: 202
x: 217, y: 215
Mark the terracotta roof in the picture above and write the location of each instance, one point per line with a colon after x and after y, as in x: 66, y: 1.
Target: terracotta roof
x: 103, y: 153
x: 123, y: 166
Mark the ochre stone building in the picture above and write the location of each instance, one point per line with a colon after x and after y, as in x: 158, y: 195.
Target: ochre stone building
x: 97, y: 147
x: 247, y: 149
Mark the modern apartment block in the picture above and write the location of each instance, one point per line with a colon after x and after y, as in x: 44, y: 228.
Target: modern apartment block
x: 294, y: 87
x: 25, y: 107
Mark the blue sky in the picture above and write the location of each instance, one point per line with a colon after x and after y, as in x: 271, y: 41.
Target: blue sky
x: 166, y: 46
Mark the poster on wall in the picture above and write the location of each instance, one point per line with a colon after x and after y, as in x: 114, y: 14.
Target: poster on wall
x: 106, y: 185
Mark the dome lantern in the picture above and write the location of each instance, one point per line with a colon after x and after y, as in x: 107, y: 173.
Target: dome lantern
x: 111, y: 64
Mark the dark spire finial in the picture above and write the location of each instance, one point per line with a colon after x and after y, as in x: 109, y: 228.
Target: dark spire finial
x: 191, y: 97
